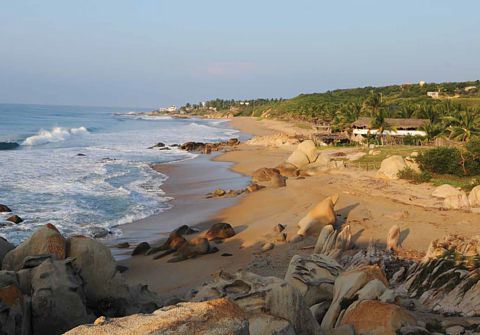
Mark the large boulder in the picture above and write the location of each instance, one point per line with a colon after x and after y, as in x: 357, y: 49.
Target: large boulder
x: 390, y: 167
x: 219, y: 317
x: 445, y: 191
x: 313, y: 276
x: 298, y: 158
x: 474, y: 197
x: 345, y: 289
x: 459, y: 201
x: 268, y: 297
x: 377, y: 318
x: 220, y: 231
x: 321, y: 215
x: 13, y: 306
x: 105, y: 288
x: 264, y: 174
x: 45, y: 240
x: 309, y: 148
x: 5, y: 247
x: 58, y: 300
x: 195, y: 247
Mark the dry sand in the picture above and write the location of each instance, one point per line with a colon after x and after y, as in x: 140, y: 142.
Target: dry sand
x: 369, y: 205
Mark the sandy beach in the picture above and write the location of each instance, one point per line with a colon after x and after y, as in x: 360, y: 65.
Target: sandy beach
x: 369, y: 205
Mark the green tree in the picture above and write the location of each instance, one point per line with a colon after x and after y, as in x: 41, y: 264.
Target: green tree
x: 465, y: 125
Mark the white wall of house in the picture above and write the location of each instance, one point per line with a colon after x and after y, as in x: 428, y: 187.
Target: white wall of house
x: 390, y: 132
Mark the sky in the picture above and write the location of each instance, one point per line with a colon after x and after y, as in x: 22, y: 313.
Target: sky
x: 152, y: 53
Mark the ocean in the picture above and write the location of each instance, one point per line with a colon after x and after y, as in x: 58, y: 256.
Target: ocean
x: 86, y: 169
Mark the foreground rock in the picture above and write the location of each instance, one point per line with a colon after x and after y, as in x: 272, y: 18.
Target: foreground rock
x: 46, y: 240
x: 445, y: 191
x: 264, y: 174
x: 313, y: 276
x: 219, y: 317
x: 448, y: 279
x: 268, y: 302
x: 474, y: 197
x: 390, y: 167
x: 377, y: 318
x: 57, y: 284
x: 333, y: 242
x: 305, y: 154
x: 220, y: 230
x: 321, y: 215
x: 15, y: 219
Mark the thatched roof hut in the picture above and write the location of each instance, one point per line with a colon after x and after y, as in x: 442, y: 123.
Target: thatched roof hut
x: 399, y: 124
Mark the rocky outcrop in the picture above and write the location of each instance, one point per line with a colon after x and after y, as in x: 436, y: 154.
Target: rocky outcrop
x: 377, y: 318
x: 448, y: 279
x: 345, y: 291
x: 46, y: 240
x: 219, y: 317
x: 333, y: 242
x: 278, y: 181
x: 195, y: 247
x: 207, y: 148
x: 321, y: 215
x: 390, y: 167
x: 313, y: 276
x: 270, y: 298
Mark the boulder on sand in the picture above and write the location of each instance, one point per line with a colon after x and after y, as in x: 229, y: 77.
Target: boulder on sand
x: 459, y: 201
x: 288, y: 170
x: 191, y: 249
x: 220, y: 317
x: 220, y: 230
x: 445, y: 191
x: 377, y: 318
x: 474, y: 197
x: 264, y: 174
x: 309, y: 148
x: 278, y: 181
x: 390, y: 167
x: 298, y: 158
x: 321, y: 215
x: 45, y: 240
x: 141, y: 249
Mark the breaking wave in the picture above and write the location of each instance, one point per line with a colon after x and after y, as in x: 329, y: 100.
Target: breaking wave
x: 57, y: 134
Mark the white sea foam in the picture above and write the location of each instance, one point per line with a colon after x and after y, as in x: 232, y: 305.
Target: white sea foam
x: 57, y: 134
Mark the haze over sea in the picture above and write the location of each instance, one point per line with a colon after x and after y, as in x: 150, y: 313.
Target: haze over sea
x: 45, y: 180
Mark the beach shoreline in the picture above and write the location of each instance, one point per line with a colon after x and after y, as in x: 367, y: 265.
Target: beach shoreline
x: 369, y: 205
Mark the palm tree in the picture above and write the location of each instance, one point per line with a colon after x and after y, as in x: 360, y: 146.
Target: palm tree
x: 465, y: 125
x: 433, y: 129
x: 374, y: 106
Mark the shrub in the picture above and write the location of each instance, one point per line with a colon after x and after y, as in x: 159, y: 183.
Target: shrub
x: 442, y: 160
x: 413, y: 140
x: 413, y: 176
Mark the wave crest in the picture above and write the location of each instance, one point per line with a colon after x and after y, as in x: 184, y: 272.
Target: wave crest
x: 57, y: 134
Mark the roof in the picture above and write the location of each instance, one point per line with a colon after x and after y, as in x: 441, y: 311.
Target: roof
x: 364, y: 122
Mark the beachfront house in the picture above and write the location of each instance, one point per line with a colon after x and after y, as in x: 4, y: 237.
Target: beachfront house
x: 400, y: 127
x: 434, y: 95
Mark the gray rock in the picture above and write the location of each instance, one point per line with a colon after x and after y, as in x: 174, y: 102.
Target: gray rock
x: 5, y: 247
x: 141, y: 249
x: 58, y: 300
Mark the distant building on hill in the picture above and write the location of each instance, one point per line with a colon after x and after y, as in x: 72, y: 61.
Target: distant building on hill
x: 400, y: 127
x: 470, y: 89
x: 421, y: 83
x: 434, y: 95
